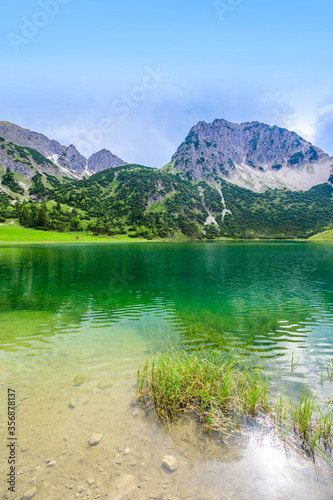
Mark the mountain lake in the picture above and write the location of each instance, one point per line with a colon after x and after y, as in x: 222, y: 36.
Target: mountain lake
x: 77, y: 321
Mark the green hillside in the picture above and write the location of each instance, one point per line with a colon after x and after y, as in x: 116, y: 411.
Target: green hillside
x: 324, y: 236
x: 144, y: 202
x: 278, y: 213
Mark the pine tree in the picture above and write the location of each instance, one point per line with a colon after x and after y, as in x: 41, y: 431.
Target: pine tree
x: 24, y: 216
x: 42, y: 218
x: 75, y: 224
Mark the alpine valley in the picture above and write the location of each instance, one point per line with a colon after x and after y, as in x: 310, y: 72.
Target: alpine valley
x: 225, y: 180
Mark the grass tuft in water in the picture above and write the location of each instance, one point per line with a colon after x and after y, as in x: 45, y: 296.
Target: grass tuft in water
x: 225, y: 391
x: 215, y: 389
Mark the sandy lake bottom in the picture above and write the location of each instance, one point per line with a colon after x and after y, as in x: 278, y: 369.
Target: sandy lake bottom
x: 56, y: 418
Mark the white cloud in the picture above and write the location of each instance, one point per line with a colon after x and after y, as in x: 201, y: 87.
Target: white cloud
x: 324, y: 128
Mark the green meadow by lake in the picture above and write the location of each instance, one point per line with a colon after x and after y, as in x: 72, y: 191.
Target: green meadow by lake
x: 97, y: 311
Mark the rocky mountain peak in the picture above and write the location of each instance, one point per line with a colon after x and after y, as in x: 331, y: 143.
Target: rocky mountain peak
x: 253, y: 155
x: 104, y: 159
x: 65, y: 157
x: 51, y: 149
x: 71, y: 156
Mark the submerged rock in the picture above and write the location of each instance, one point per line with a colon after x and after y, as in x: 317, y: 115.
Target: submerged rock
x: 78, y: 380
x: 104, y: 384
x: 123, y: 486
x: 94, y: 439
x: 170, y: 463
x: 29, y: 494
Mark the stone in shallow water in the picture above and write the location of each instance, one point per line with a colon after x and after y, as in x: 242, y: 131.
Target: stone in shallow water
x: 78, y: 380
x: 170, y: 463
x: 94, y: 439
x: 104, y: 384
x: 29, y: 494
x: 123, y: 486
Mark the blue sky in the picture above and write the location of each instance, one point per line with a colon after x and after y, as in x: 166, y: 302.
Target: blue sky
x: 134, y: 77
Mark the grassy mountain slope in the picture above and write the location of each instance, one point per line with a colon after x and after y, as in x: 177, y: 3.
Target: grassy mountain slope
x: 278, y: 213
x: 323, y: 236
x: 145, y: 202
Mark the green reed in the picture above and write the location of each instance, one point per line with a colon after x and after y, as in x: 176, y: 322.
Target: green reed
x: 224, y: 390
x: 205, y: 384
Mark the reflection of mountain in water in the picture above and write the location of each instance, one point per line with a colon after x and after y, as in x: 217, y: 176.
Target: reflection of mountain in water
x: 255, y: 295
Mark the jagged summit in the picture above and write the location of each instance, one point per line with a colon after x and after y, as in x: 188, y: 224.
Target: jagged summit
x: 67, y: 158
x: 252, y: 155
x: 104, y: 159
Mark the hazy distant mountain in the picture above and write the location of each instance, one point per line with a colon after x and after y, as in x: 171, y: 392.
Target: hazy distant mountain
x: 68, y: 158
x: 252, y: 155
x: 104, y: 159
x: 70, y: 161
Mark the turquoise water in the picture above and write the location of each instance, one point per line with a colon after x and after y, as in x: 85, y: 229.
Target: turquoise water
x: 271, y: 298
x: 98, y: 310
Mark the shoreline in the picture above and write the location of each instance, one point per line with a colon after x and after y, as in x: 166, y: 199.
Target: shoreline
x: 4, y: 243
x: 15, y: 234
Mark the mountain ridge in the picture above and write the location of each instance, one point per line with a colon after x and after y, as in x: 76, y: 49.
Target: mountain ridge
x: 187, y: 197
x: 253, y: 155
x: 67, y: 158
x: 142, y: 201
